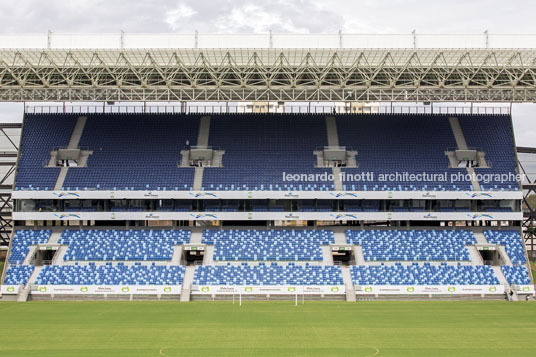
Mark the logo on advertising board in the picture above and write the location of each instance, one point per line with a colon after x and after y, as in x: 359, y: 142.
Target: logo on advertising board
x: 481, y: 194
x: 429, y: 195
x: 203, y: 194
x: 43, y: 289
x: 292, y: 216
x: 248, y: 289
x: 152, y: 216
x: 410, y: 289
x: 492, y: 289
x: 430, y: 216
x: 526, y: 289
x: 204, y: 215
x: 451, y: 289
x: 291, y: 289
x: 84, y: 289
x: 343, y: 215
x: 167, y: 289
x: 66, y: 194
x: 205, y: 289
x: 112, y: 194
x: 291, y: 195
x: 334, y: 289
x: 368, y: 289
x: 479, y: 216
x: 10, y: 289
x: 125, y: 289
x: 343, y: 194
x: 67, y: 215
x: 150, y: 194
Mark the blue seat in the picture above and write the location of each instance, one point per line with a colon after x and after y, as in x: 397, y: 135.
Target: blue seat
x: 145, y: 244
x: 426, y: 274
x: 109, y: 274
x: 412, y: 245
x: 268, y: 245
x: 272, y: 274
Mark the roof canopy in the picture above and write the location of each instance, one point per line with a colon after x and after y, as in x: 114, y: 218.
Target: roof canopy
x: 267, y: 72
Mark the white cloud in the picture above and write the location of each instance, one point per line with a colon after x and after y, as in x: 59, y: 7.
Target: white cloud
x: 177, y: 15
x: 256, y: 19
x: 303, y: 16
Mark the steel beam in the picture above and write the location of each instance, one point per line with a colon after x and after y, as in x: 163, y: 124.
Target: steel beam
x: 402, y: 75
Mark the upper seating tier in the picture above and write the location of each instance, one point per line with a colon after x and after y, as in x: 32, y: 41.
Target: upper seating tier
x: 260, y: 148
x: 142, y: 151
x: 41, y: 134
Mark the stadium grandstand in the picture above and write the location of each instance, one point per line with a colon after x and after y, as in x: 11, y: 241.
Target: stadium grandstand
x: 330, y: 167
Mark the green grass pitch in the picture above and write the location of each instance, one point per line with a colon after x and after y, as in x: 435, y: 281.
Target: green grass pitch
x: 267, y: 329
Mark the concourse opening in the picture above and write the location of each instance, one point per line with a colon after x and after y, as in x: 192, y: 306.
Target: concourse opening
x: 342, y: 254
x: 44, y: 254
x: 490, y: 255
x: 194, y: 254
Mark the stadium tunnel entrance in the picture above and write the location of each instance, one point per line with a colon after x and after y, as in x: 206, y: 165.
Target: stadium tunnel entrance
x: 491, y: 255
x: 342, y: 254
x: 44, y: 254
x: 193, y: 254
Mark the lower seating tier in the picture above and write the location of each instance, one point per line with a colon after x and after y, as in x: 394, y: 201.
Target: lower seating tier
x: 414, y: 245
x: 426, y: 274
x: 517, y: 274
x: 512, y: 242
x: 268, y: 245
x: 18, y: 274
x: 109, y: 274
x: 267, y: 275
x: 141, y: 245
x: 22, y: 241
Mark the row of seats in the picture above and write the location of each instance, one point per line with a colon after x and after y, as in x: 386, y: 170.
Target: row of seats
x: 204, y: 275
x: 268, y: 245
x: 272, y: 274
x: 111, y: 275
x: 516, y: 274
x: 18, y: 274
x: 262, y: 274
x: 122, y: 244
x: 413, y: 245
x: 426, y: 274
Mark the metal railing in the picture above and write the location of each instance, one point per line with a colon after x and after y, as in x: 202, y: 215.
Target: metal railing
x: 340, y: 40
x: 281, y: 109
